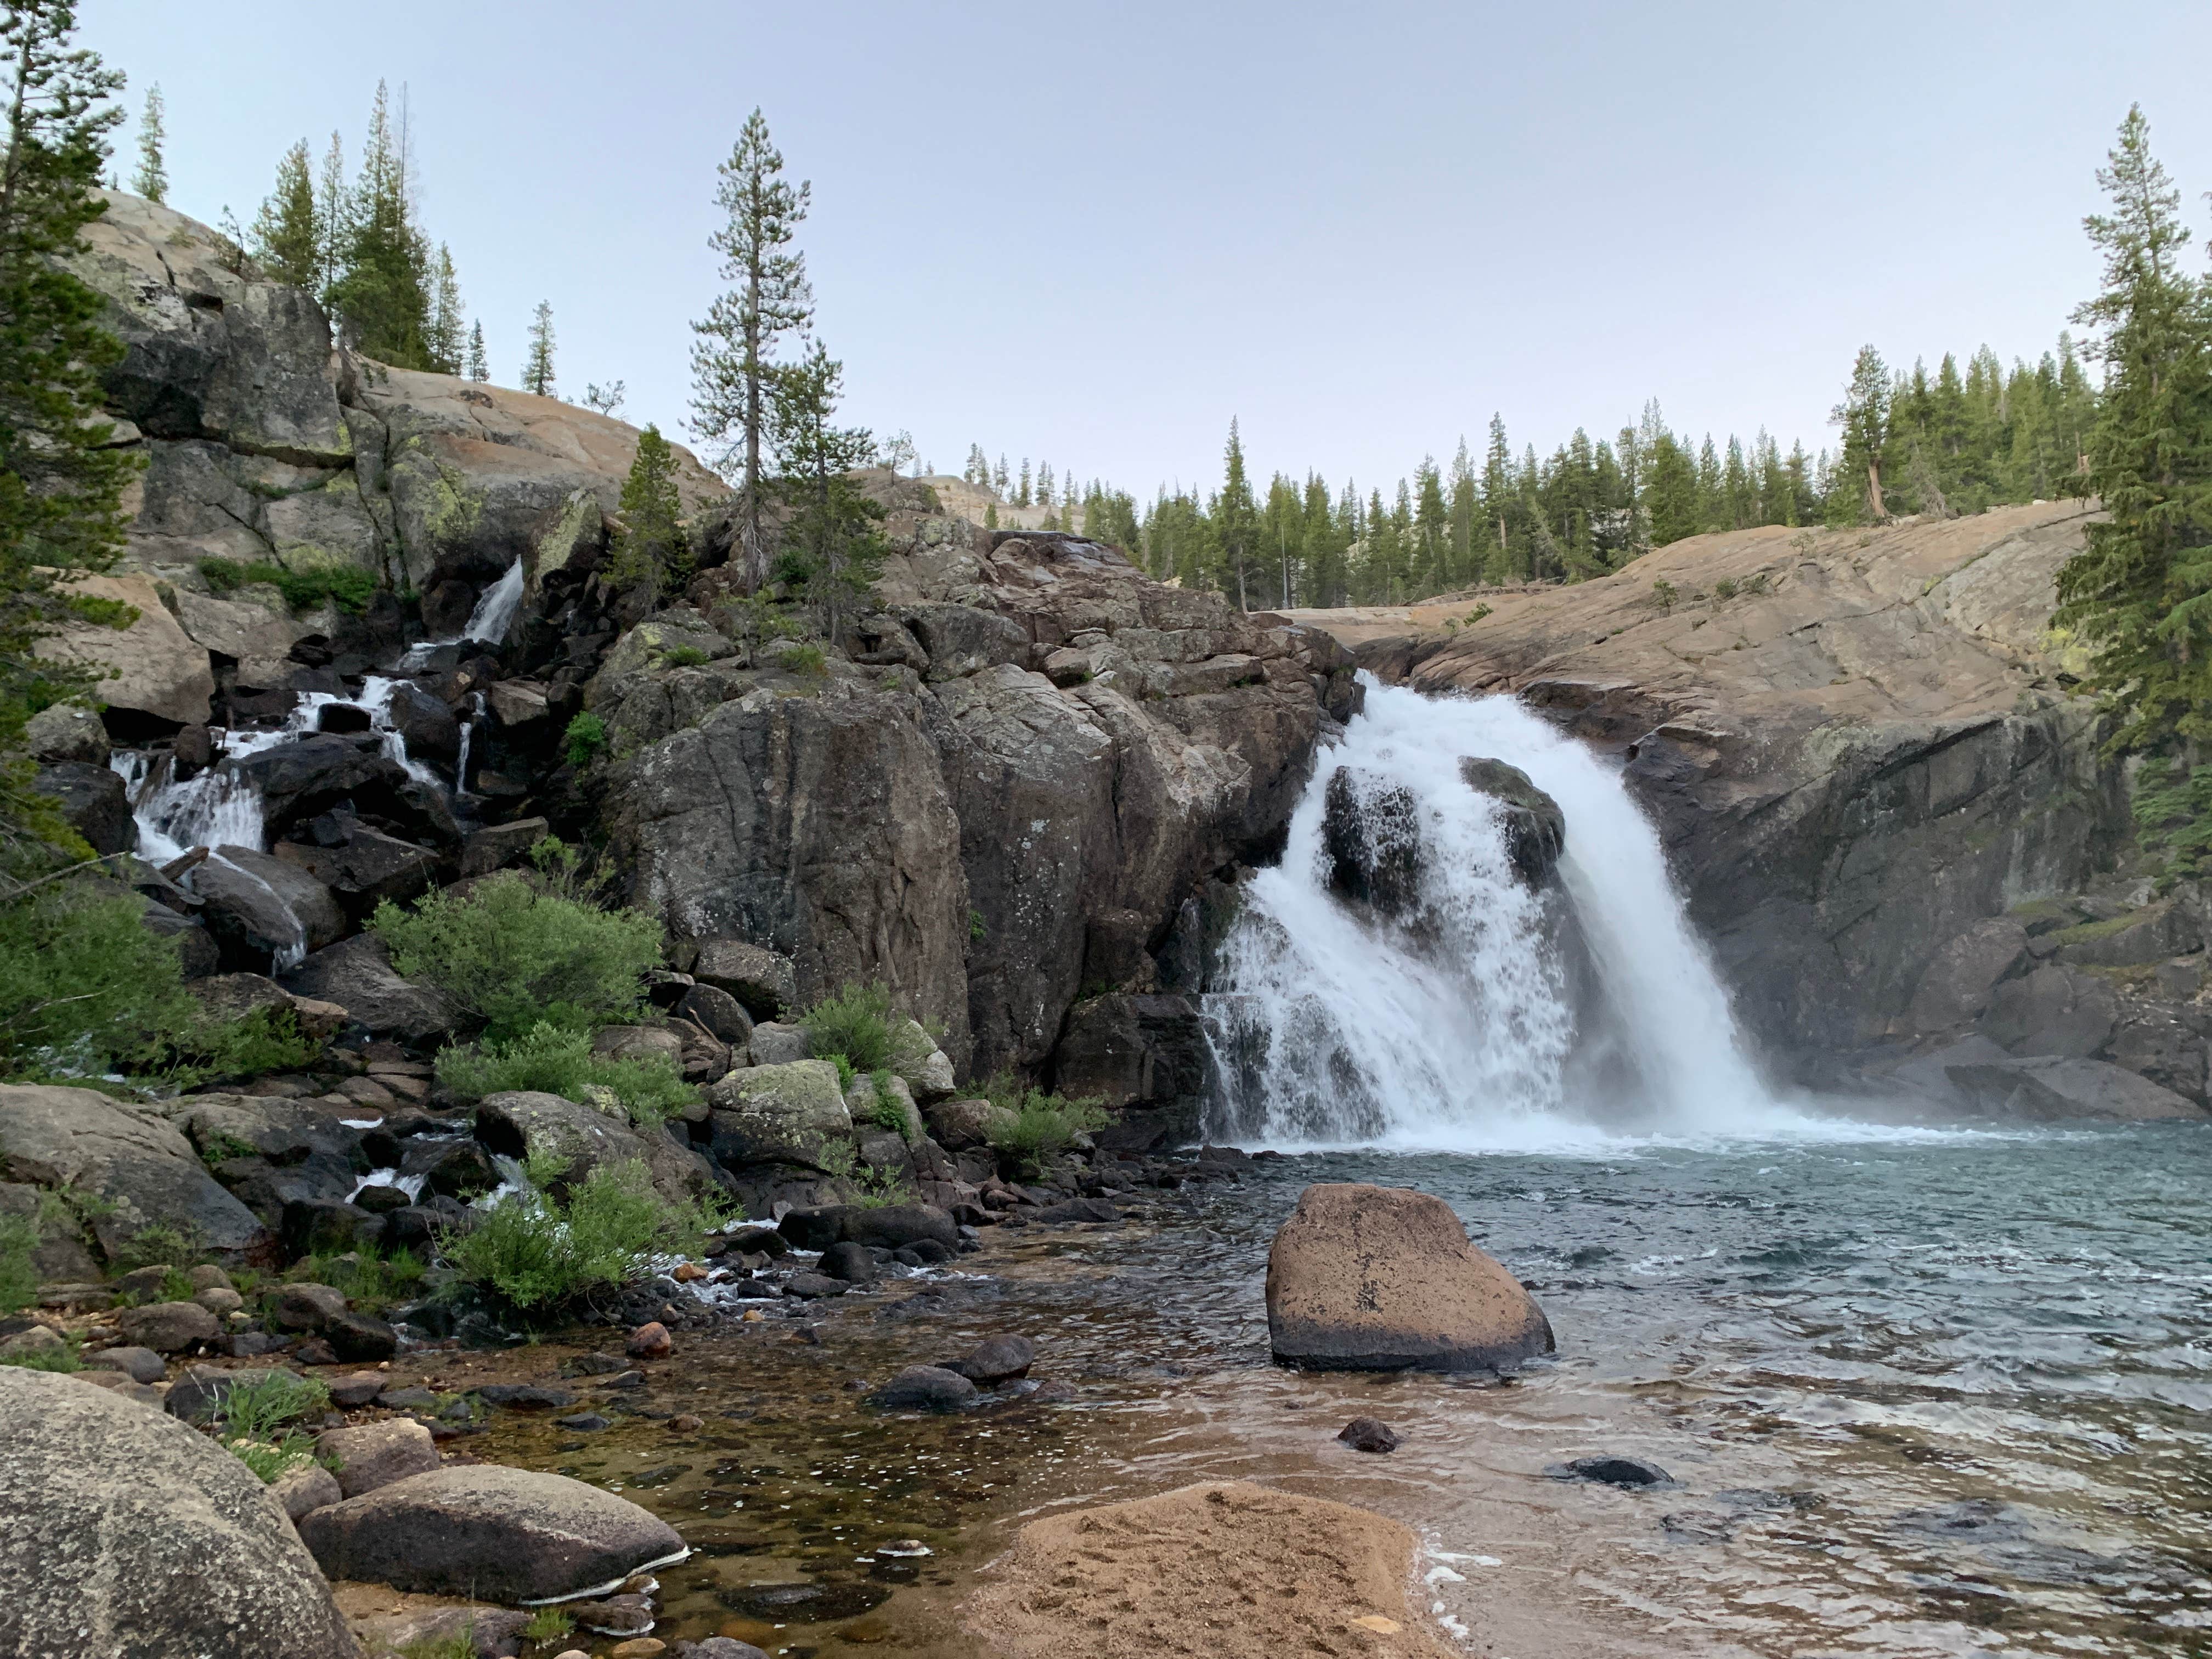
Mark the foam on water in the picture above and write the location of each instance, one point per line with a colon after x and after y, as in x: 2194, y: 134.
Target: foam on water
x: 1515, y: 1019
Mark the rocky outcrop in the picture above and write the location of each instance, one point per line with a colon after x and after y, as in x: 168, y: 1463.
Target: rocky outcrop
x: 1382, y: 1278
x: 126, y: 1533
x: 128, y: 1155
x: 1535, y: 829
x: 1145, y: 1059
x: 1857, y: 744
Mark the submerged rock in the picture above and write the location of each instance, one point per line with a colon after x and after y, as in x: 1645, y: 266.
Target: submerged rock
x: 1370, y: 833
x: 1367, y: 1435
x: 1535, y: 828
x: 128, y: 1534
x: 924, y: 1388
x: 1365, y: 1278
x: 1612, y: 1472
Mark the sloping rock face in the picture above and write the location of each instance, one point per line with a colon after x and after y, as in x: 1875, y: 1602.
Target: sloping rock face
x: 125, y: 1533
x: 1028, y: 761
x: 1857, y: 746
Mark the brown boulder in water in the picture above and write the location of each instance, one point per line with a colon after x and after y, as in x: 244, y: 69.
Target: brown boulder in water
x: 1381, y: 1278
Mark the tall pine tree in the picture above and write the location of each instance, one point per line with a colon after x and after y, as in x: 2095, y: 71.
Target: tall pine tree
x: 829, y: 532
x: 384, y: 291
x: 770, y: 300
x: 537, y: 366
x: 151, y: 177
x: 286, y: 240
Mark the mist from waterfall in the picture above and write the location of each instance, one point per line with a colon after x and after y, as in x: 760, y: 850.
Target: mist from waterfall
x: 1511, y: 1016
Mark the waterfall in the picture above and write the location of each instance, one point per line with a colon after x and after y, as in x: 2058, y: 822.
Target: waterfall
x: 489, y: 622
x: 220, y: 806
x: 1504, y: 1016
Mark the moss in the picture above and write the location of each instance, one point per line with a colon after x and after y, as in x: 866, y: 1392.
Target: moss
x: 2088, y: 933
x: 455, y: 510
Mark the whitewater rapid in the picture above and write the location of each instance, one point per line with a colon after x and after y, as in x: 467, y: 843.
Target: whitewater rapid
x: 1519, y: 1019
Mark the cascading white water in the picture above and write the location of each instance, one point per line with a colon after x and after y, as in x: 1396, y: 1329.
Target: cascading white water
x: 493, y: 615
x: 1508, y: 1017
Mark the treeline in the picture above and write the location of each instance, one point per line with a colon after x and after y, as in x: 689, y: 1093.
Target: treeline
x: 1958, y: 441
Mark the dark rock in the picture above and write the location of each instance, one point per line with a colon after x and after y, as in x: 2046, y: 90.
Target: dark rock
x: 850, y: 1262
x: 306, y: 1307
x: 94, y: 801
x: 891, y: 1225
x: 753, y: 1241
x: 429, y: 728
x: 366, y: 868
x: 359, y: 1338
x: 1965, y: 973
x: 383, y: 1200
x: 526, y: 1396
x: 139, y: 1364
x: 717, y: 1012
x: 351, y: 1393
x: 1535, y: 829
x: 197, y: 1395
x: 357, y: 973
x: 502, y: 845
x: 925, y: 1388
x: 582, y: 1422
x: 813, y: 1287
x: 342, y: 717
x: 1079, y: 1209
x: 169, y: 1327
x: 498, y: 1534
x: 108, y: 1501
x: 323, y: 1226
x: 1371, y: 837
x: 1145, y: 1059
x: 999, y: 1359
x: 763, y: 982
x: 772, y: 1044
x: 314, y: 1351
x: 1365, y: 1434
x: 262, y: 909
x: 2057, y: 1091
x: 368, y: 1455
x: 1611, y: 1472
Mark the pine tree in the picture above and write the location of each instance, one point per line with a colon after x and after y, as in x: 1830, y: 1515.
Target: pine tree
x: 286, y: 238
x: 1044, y: 494
x: 1864, y: 417
x: 334, y: 225
x: 537, y: 366
x: 999, y: 480
x: 770, y: 300
x: 1023, y: 496
x: 1235, y: 517
x: 651, y: 554
x: 61, y: 483
x: 384, y: 290
x: 829, y: 536
x: 2140, y: 592
x: 445, y: 345
x: 1497, y: 501
x: 151, y: 180
x: 479, y: 364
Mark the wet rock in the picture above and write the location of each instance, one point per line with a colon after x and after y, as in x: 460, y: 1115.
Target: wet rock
x: 260, y: 908
x: 1365, y: 1278
x: 503, y: 1534
x: 924, y: 1388
x: 1365, y: 1434
x: 478, y: 1632
x: 527, y: 1123
x: 124, y: 1498
x: 618, y: 1615
x: 373, y: 1455
x: 1611, y: 1472
x: 718, y: 1647
x: 1535, y: 829
x: 92, y: 800
x: 999, y: 1360
x: 139, y: 1364
x: 304, y: 1486
x: 525, y: 1396
x: 1372, y: 838
x: 650, y: 1340
x: 170, y: 1327
x: 1079, y: 1210
x: 429, y: 728
x: 813, y: 1287
x: 891, y: 1225
x: 581, y: 1422
x: 1700, y: 1526
x: 851, y: 1262
x: 765, y: 983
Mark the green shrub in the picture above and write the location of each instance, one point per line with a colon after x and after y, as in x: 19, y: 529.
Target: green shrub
x: 222, y: 1146
x: 585, y: 736
x: 256, y: 1410
x: 158, y: 1246
x: 63, y: 1359
x: 559, y: 1060
x: 1663, y: 594
x: 855, y: 1023
x: 685, y: 656
x: 539, y: 1251
x: 19, y: 1278
x: 1724, y: 589
x: 370, y: 1276
x: 548, y: 1625
x: 887, y: 1112
x: 806, y: 660
x: 350, y: 587
x: 515, y: 956
x: 1040, y: 1125
x: 85, y: 990
x: 262, y: 1041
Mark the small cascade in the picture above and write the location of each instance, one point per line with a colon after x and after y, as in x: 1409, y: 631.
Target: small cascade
x: 294, y: 951
x: 1491, y: 1014
x: 493, y: 615
x: 468, y: 740
x: 218, y: 806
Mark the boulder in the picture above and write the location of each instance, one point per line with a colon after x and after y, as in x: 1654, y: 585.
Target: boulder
x: 1365, y: 1434
x: 999, y: 1359
x: 145, y: 1539
x: 1965, y: 972
x: 307, y: 1306
x: 639, y: 1042
x: 260, y: 908
x: 2055, y: 1010
x: 364, y: 868
x: 2058, y: 1090
x: 918, y: 1062
x: 368, y: 1455
x: 306, y: 1485
x: 1365, y: 1278
x: 169, y: 1327
x: 197, y: 1395
x: 789, y: 1114
x: 127, y: 1154
x: 152, y: 668
x: 357, y: 973
x: 1145, y: 1059
x: 718, y: 1013
x: 502, y: 1535
x: 763, y: 980
x: 525, y: 1123
x: 1371, y: 839
x: 429, y: 728
x: 776, y: 1044
x: 853, y: 1263
x: 65, y: 732
x: 924, y: 1388
x: 139, y: 1364
x: 1535, y: 829
x: 94, y: 801
x: 959, y: 1125
x: 501, y: 845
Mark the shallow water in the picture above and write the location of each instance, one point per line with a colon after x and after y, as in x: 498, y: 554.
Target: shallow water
x: 1935, y: 1395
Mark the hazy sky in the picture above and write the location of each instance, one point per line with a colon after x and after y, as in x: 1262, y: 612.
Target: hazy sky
x: 1091, y: 234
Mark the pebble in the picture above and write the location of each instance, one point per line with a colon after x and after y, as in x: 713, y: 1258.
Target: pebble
x: 687, y: 1273
x: 651, y: 1341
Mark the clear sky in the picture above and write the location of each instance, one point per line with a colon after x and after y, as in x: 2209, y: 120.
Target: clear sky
x: 1091, y: 234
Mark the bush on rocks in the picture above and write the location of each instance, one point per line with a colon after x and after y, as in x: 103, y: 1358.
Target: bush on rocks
x: 85, y: 988
x: 853, y: 1026
x: 515, y: 951
x: 1032, y: 1128
x: 557, y: 1060
x: 539, y: 1251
